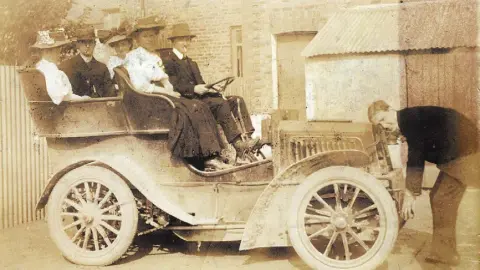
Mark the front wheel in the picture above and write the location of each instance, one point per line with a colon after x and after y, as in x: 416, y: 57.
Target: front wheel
x: 342, y: 218
x: 92, y: 216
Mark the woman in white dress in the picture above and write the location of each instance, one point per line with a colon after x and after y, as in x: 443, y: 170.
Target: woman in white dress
x: 49, y: 45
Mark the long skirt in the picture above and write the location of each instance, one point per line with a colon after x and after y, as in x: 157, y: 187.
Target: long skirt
x: 193, y: 130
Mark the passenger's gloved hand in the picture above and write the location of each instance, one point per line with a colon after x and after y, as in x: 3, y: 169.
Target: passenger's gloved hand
x: 200, y: 89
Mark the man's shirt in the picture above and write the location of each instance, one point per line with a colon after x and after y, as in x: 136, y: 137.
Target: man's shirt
x: 437, y: 135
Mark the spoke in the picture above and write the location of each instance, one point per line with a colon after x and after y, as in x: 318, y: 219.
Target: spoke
x: 104, y: 200
x: 71, y: 225
x: 111, y: 217
x: 102, y: 232
x: 317, y: 217
x: 337, y: 196
x: 70, y: 214
x: 371, y: 207
x: 357, y: 238
x: 319, y: 232
x: 113, y: 206
x: 88, y: 192
x: 74, y: 205
x: 97, y: 193
x: 109, y: 227
x: 330, y: 243
x: 78, y: 233
x: 87, y: 237
x: 355, y: 195
x: 345, y: 245
x: 79, y: 196
x: 367, y: 227
x: 367, y: 214
x: 320, y: 212
x: 345, y: 188
x: 95, y: 238
x: 325, y: 204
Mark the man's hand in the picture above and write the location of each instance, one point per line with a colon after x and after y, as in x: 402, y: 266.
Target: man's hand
x: 408, y: 208
x: 200, y: 89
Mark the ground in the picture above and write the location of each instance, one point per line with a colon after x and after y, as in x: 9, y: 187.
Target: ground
x: 29, y: 247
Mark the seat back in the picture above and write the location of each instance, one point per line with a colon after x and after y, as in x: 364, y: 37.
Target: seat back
x: 33, y: 84
x: 147, y: 113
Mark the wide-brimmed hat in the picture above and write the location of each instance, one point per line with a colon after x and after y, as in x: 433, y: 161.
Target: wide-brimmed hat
x: 151, y: 22
x: 119, y: 34
x: 181, y: 30
x: 86, y: 33
x: 50, y: 39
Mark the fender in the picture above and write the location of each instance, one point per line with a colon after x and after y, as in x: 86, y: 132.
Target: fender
x: 131, y: 173
x: 267, y: 224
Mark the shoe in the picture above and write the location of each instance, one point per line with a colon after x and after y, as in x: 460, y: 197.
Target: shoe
x: 451, y: 259
x: 245, y: 146
x: 216, y: 164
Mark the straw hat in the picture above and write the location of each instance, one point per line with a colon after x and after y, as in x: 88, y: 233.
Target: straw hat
x: 119, y: 34
x: 50, y: 39
x: 181, y: 30
x: 151, y: 22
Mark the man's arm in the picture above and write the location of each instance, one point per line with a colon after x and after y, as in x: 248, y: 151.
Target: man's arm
x: 415, y: 168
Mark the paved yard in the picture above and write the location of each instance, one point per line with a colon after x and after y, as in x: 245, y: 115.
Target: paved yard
x: 29, y: 247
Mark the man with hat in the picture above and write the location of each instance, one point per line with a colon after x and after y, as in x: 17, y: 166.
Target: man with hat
x: 193, y: 133
x: 186, y: 78
x: 88, y: 76
x: 49, y: 45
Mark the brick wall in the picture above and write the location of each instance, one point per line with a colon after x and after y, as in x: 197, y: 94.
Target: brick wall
x: 261, y: 20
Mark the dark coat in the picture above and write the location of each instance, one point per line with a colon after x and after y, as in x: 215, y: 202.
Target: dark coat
x: 88, y: 79
x: 437, y: 135
x: 184, y: 74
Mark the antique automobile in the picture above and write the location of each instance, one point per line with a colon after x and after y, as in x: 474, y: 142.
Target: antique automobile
x: 329, y: 189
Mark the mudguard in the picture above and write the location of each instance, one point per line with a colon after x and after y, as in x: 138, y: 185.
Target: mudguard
x: 134, y: 175
x: 267, y: 224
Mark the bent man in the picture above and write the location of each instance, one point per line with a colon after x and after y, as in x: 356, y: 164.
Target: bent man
x: 444, y: 137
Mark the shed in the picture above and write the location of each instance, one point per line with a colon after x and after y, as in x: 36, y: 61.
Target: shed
x: 419, y: 53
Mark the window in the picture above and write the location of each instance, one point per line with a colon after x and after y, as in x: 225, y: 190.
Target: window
x: 237, y: 50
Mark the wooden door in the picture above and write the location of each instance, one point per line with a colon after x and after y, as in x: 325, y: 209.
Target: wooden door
x: 291, y: 71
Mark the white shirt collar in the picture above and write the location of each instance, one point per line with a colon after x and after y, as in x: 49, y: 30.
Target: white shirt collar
x: 86, y: 59
x: 178, y: 53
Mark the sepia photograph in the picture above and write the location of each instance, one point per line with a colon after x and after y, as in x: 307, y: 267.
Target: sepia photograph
x: 240, y: 134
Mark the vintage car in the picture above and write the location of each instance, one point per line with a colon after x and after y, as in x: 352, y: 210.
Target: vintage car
x: 329, y: 189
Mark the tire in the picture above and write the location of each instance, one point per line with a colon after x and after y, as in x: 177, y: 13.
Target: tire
x: 341, y: 226
x: 85, y: 235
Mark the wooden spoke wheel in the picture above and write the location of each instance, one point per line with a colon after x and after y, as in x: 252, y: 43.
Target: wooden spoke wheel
x: 342, y: 218
x: 92, y: 216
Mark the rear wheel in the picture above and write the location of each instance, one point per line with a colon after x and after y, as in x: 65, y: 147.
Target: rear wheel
x: 342, y: 218
x: 92, y: 216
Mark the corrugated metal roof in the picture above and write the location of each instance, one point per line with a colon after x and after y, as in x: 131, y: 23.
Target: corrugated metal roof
x: 397, y: 27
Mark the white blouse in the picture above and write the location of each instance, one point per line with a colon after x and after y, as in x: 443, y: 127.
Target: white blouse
x: 113, y: 62
x: 144, y: 67
x: 58, y: 85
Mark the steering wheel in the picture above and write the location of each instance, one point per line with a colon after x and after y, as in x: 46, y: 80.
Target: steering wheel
x: 220, y: 85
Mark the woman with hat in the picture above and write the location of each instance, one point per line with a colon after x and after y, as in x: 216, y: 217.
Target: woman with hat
x: 121, y: 43
x: 193, y: 133
x: 49, y: 45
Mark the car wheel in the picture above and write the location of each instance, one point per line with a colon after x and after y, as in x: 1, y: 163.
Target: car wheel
x: 92, y: 216
x: 342, y: 218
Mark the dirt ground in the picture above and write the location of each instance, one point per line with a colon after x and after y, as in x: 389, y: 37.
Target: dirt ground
x: 29, y: 247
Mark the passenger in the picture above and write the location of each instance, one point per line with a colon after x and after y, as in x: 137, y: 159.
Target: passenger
x: 187, y: 80
x: 122, y: 44
x: 49, y: 45
x: 88, y: 76
x: 193, y: 133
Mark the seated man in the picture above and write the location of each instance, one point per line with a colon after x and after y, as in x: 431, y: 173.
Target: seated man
x: 186, y: 79
x: 88, y: 76
x: 193, y: 132
x: 49, y: 45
